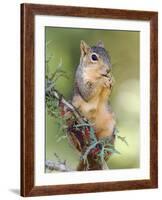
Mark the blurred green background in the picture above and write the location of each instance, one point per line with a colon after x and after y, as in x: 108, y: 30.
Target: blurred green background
x: 63, y: 44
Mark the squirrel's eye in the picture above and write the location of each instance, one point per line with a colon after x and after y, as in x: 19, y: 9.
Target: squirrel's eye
x: 94, y: 57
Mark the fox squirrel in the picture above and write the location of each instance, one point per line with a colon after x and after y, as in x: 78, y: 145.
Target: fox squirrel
x: 93, y: 85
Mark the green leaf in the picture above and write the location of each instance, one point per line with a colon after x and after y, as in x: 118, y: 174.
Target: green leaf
x: 123, y: 139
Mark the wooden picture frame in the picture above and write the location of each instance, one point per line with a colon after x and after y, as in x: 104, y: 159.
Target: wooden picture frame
x: 28, y: 13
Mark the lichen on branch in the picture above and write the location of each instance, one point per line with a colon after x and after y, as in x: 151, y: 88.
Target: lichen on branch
x: 78, y: 130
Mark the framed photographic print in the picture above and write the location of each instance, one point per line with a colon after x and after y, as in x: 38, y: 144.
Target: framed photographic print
x: 88, y: 99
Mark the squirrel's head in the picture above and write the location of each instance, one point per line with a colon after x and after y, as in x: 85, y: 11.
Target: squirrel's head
x: 95, y: 58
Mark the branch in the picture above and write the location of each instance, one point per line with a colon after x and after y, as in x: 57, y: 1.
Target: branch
x: 61, y: 99
x: 62, y: 166
x: 52, y: 92
x: 57, y: 166
x: 80, y: 133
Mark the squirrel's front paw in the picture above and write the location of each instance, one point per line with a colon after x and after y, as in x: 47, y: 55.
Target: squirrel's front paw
x: 108, y: 81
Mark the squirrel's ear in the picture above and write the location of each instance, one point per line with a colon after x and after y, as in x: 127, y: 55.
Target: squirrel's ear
x: 84, y: 48
x: 100, y: 44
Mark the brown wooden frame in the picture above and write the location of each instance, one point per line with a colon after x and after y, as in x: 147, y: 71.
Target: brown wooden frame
x: 28, y: 11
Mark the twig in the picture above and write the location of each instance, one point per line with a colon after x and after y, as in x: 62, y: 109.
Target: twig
x: 56, y: 166
x: 61, y: 99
